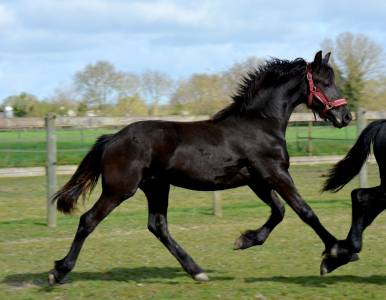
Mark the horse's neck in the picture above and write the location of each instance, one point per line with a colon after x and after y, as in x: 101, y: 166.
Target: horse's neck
x: 283, y: 102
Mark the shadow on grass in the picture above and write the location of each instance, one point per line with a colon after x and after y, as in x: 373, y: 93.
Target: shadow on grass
x: 318, y: 281
x: 166, y: 275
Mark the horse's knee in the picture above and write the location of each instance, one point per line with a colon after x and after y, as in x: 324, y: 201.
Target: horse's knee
x: 355, y: 195
x: 86, y: 224
x: 157, y: 225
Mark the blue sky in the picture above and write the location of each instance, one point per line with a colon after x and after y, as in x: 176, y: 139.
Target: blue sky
x: 44, y: 42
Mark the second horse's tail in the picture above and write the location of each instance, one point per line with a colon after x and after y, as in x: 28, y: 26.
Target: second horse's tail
x: 348, y: 167
x: 84, y: 178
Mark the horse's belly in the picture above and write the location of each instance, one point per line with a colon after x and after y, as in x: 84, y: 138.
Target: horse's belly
x: 210, y: 179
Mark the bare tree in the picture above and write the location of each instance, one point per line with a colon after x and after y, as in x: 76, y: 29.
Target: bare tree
x: 357, y: 60
x: 154, y: 87
x: 129, y: 85
x: 98, y: 83
x: 237, y: 72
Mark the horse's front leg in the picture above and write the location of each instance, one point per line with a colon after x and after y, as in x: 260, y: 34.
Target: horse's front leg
x: 284, y: 185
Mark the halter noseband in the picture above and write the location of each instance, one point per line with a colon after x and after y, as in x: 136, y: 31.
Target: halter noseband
x: 315, y: 92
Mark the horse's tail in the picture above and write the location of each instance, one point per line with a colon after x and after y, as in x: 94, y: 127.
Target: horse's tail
x: 348, y: 167
x: 84, y: 179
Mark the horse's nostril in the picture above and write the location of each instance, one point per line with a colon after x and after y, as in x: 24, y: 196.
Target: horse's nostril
x: 347, y: 118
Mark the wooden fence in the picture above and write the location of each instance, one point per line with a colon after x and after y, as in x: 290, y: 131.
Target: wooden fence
x: 51, y: 122
x: 115, y: 122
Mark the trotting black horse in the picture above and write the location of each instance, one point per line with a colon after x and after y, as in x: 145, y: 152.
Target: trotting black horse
x: 244, y: 144
x: 367, y: 203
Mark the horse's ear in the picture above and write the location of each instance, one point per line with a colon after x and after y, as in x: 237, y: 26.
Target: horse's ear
x: 326, y: 58
x: 318, y: 58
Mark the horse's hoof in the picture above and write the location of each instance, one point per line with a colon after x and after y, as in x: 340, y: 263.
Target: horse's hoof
x: 55, y: 278
x: 238, y: 243
x: 354, y: 257
x: 52, y: 278
x: 323, y: 269
x: 330, y: 263
x: 202, y: 277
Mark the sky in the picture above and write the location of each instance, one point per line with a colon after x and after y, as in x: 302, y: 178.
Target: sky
x: 43, y: 43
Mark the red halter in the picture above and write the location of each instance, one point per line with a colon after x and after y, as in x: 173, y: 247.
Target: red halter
x: 315, y: 92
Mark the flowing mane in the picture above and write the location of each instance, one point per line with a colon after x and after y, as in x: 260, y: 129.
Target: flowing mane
x: 268, y: 75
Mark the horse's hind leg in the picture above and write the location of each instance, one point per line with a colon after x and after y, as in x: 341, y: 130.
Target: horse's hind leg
x: 157, y: 194
x: 87, y: 223
x: 367, y: 204
x: 257, y: 237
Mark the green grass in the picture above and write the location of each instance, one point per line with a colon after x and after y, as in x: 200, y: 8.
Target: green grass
x: 27, y: 148
x: 122, y: 260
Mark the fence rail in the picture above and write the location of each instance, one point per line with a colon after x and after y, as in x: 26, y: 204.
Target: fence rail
x: 98, y: 122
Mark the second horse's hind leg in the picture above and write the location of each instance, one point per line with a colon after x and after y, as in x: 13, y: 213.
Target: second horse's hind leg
x: 157, y: 194
x: 257, y: 237
x: 367, y: 204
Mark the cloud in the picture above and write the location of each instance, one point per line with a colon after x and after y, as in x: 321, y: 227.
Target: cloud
x: 43, y: 42
x: 7, y: 18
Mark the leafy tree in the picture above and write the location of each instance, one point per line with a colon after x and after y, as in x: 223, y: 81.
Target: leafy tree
x: 64, y: 101
x: 206, y: 94
x: 23, y: 104
x: 200, y: 94
x: 130, y: 106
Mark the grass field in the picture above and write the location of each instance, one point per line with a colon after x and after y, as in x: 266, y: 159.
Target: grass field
x: 122, y: 260
x: 27, y: 148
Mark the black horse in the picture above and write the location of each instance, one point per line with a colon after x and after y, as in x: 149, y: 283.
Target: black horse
x: 244, y: 144
x: 367, y: 203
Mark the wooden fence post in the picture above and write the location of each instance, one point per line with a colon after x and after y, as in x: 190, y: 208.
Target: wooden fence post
x: 217, y: 209
x: 51, y: 168
x: 361, y: 124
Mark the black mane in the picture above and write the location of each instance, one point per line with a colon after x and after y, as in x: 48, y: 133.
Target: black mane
x: 268, y: 75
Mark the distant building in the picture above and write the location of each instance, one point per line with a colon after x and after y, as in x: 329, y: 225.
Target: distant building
x: 8, y: 111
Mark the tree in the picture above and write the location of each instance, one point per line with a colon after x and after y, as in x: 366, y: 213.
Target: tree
x: 130, y: 106
x: 374, y: 94
x: 154, y: 87
x: 200, y: 94
x: 357, y: 60
x: 233, y: 76
x: 98, y: 83
x: 64, y: 101
x: 129, y: 85
x: 206, y: 94
x: 23, y: 104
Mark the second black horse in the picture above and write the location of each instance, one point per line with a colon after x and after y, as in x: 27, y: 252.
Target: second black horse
x: 367, y: 203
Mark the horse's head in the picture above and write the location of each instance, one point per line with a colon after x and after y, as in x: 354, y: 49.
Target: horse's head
x: 323, y: 95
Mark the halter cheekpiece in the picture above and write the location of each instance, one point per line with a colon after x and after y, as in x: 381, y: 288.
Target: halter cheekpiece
x: 315, y: 92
